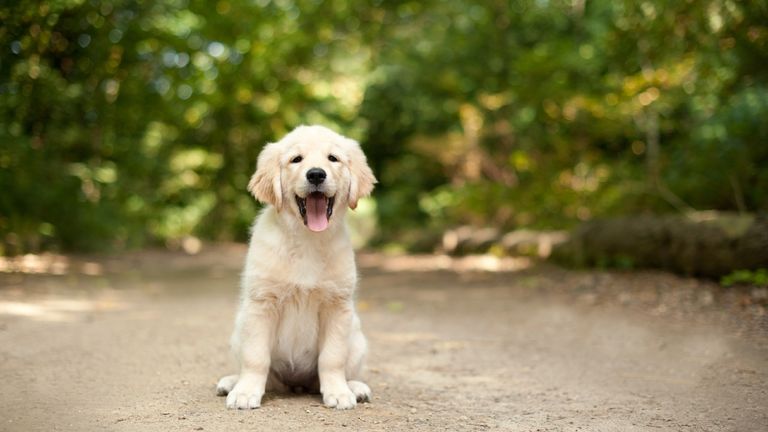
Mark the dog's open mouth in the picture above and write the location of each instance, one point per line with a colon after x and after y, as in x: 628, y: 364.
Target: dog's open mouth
x: 316, y: 210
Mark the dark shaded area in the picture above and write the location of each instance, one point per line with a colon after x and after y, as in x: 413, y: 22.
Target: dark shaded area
x: 712, y: 247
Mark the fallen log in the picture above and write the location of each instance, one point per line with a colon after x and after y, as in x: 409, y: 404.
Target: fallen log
x: 466, y: 240
x: 706, y: 244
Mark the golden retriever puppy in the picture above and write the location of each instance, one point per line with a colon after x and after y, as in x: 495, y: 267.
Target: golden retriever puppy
x: 296, y: 327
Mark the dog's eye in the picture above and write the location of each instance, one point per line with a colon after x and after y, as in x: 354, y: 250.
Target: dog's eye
x: 297, y: 159
x: 333, y: 158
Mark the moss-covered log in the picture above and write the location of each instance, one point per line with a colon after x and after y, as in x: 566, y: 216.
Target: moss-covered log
x: 702, y: 244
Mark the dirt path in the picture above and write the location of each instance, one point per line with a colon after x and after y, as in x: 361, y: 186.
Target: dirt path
x: 137, y: 343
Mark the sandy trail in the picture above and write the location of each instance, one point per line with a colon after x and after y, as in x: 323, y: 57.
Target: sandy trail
x: 140, y: 342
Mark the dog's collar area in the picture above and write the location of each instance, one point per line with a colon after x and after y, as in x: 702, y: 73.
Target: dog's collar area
x: 315, y: 197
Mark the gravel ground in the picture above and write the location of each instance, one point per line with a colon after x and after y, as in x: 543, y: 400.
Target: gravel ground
x: 137, y: 342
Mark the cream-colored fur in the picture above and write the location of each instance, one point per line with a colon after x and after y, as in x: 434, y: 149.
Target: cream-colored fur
x: 296, y: 326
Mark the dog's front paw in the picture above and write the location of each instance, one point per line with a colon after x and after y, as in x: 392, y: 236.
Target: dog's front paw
x: 340, y: 399
x: 245, y: 395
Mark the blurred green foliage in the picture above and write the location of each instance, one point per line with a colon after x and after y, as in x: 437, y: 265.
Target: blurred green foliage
x: 547, y: 113
x: 129, y: 122
x: 758, y: 277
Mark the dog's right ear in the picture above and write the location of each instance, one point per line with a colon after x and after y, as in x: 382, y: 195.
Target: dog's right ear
x: 265, y: 183
x: 361, y: 177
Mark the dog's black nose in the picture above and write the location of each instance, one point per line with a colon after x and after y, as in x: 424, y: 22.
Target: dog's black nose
x: 316, y: 176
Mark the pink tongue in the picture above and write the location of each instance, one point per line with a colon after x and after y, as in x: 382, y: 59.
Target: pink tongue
x: 316, y: 208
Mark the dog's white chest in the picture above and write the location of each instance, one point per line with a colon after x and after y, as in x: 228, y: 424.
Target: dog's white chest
x: 295, y: 352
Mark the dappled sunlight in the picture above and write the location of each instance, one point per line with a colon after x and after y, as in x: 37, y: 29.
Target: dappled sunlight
x: 48, y: 264
x: 425, y: 263
x: 58, y: 310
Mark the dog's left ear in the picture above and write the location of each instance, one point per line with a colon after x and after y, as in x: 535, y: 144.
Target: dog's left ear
x: 361, y: 177
x: 265, y: 183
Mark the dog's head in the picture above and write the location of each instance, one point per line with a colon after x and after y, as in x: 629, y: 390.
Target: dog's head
x: 311, y: 172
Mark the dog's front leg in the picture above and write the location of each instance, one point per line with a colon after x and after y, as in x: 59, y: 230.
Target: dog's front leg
x: 257, y: 329
x: 335, y: 327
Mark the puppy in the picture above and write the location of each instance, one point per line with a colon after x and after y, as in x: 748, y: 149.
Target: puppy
x: 296, y: 327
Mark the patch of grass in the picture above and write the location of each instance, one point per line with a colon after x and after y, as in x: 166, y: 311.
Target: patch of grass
x: 757, y: 277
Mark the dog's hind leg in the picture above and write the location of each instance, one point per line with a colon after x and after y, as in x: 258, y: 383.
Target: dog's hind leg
x: 361, y: 390
x: 225, y: 385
